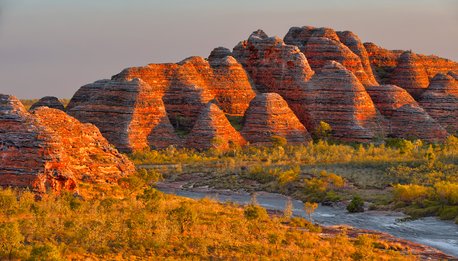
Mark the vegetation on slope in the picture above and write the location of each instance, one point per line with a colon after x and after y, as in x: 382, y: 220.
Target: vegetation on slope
x: 145, y: 223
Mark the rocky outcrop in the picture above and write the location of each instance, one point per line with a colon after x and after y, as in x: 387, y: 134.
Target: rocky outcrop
x: 321, y: 45
x: 49, y: 150
x: 410, y: 74
x: 269, y: 116
x: 404, y: 117
x: 335, y: 96
x: 441, y: 101
x: 128, y: 113
x: 384, y: 62
x: 186, y: 87
x: 213, y: 130
x: 48, y: 101
x: 275, y: 67
x: 90, y: 157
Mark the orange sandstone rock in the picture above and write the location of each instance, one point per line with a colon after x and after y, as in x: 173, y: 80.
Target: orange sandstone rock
x: 335, y: 96
x: 128, y: 113
x: 275, y: 67
x: 213, y: 130
x: 186, y: 87
x: 405, y: 118
x: 268, y: 116
x: 321, y: 45
x: 441, y: 101
x: 49, y: 150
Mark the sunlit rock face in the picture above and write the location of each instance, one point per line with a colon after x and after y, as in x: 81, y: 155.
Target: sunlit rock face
x: 49, y: 150
x: 408, y: 70
x: 212, y: 130
x: 404, y: 117
x: 48, y: 101
x: 321, y: 45
x: 335, y: 96
x: 128, y: 113
x: 440, y: 100
x: 270, y: 116
x: 410, y: 74
x: 186, y: 87
x: 275, y: 67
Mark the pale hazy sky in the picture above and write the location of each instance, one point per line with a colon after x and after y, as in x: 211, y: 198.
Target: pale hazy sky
x: 52, y: 47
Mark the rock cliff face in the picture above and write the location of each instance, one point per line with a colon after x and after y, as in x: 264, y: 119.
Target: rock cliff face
x: 275, y: 67
x: 49, y: 150
x: 186, y: 87
x: 335, y: 96
x: 441, y: 101
x: 213, y: 130
x: 321, y: 45
x: 48, y: 101
x: 268, y: 116
x: 128, y: 113
x: 404, y: 117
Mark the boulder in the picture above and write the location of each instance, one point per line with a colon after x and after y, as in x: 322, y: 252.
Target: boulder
x: 213, y: 130
x: 270, y: 116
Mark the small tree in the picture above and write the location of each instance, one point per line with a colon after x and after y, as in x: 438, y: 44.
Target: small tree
x: 310, y: 208
x: 288, y: 211
x: 323, y: 130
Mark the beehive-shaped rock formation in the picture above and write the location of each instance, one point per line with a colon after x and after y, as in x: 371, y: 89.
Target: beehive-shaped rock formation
x: 410, y: 74
x: 48, y: 101
x: 405, y: 118
x: 275, y: 67
x: 127, y: 113
x: 441, y: 101
x: 321, y: 45
x: 335, y: 96
x: 186, y: 87
x: 213, y: 130
x: 269, y: 116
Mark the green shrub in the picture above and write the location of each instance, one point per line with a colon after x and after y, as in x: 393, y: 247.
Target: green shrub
x: 254, y: 212
x: 10, y: 239
x: 356, y: 205
x: 44, y: 253
x: 448, y: 213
